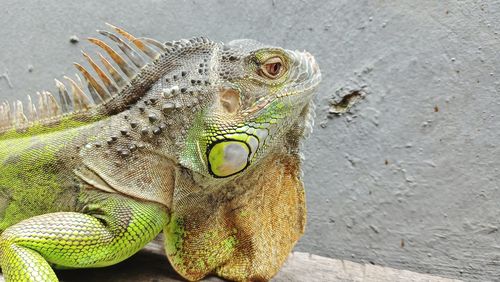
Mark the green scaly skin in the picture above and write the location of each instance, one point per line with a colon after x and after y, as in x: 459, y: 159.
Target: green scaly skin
x: 121, y: 227
x: 202, y: 143
x: 53, y: 219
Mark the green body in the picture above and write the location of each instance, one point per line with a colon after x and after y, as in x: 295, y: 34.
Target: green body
x: 63, y: 217
x: 201, y: 143
x: 34, y: 174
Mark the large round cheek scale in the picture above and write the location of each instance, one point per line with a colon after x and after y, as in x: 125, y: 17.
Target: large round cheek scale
x: 228, y: 158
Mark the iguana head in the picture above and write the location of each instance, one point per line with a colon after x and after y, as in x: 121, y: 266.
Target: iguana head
x: 263, y: 93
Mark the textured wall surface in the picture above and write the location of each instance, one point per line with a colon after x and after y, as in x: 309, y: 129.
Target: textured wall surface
x: 408, y: 179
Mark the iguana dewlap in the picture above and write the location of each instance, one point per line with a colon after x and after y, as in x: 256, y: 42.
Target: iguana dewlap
x: 194, y: 138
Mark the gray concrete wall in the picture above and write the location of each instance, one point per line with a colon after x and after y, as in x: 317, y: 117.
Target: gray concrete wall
x: 408, y: 179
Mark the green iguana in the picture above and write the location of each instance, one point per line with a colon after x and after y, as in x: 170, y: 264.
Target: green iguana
x: 194, y: 138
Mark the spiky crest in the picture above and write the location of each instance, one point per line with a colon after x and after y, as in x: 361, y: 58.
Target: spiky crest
x: 112, y: 94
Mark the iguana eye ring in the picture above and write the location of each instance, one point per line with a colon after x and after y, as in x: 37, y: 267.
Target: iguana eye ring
x: 272, y: 68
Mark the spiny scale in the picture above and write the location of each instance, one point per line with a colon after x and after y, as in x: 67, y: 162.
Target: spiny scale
x: 137, y: 42
x: 100, y: 91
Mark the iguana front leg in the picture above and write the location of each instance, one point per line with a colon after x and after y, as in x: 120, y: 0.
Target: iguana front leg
x: 114, y: 228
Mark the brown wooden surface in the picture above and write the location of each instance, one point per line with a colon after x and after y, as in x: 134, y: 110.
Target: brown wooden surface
x: 151, y: 267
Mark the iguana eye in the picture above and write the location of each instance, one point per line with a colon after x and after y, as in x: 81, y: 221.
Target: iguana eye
x: 272, y: 68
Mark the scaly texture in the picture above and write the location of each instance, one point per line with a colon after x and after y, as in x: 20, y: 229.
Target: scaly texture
x: 200, y: 139
x: 71, y: 239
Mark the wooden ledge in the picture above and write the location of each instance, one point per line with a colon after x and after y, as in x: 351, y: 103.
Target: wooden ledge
x: 149, y: 265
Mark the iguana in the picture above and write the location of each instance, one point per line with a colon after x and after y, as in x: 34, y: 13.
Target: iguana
x: 194, y: 138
